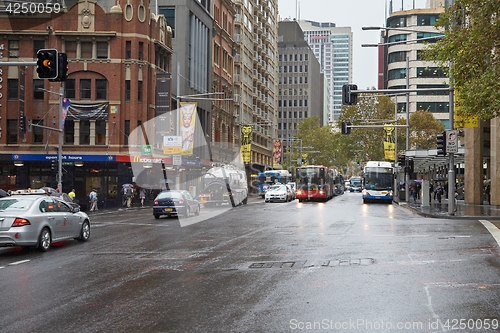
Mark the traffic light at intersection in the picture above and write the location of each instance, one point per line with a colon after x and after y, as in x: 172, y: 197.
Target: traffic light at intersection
x: 441, y: 143
x: 47, y: 64
x: 62, y: 68
x: 402, y: 160
x: 348, y: 97
x: 346, y: 129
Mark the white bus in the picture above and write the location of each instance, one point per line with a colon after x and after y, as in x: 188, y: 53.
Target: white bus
x: 378, y: 181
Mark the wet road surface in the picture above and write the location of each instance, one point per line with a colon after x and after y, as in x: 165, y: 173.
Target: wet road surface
x: 277, y: 267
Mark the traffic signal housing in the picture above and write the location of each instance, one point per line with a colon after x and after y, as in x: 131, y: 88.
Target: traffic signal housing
x: 402, y: 160
x: 441, y: 143
x: 47, y: 64
x: 348, y: 97
x: 62, y: 68
x: 346, y: 129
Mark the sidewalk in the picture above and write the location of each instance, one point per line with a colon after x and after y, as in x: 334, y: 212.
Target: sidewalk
x: 463, y: 210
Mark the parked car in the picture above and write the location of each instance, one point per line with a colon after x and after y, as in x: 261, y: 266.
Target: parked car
x: 175, y: 202
x: 279, y: 193
x: 34, y: 218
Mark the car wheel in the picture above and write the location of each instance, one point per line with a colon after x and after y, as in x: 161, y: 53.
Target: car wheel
x: 188, y: 211
x: 44, y: 240
x: 85, y: 232
x: 197, y: 212
x: 156, y: 216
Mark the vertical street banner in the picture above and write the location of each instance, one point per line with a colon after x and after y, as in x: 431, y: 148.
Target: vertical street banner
x: 187, y: 124
x: 22, y: 74
x: 65, y: 106
x: 277, y: 153
x: 389, y: 142
x: 246, y: 142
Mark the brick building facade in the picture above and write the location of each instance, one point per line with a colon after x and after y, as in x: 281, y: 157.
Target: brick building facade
x: 114, y: 57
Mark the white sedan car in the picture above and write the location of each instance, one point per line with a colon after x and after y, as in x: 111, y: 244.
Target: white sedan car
x: 279, y: 193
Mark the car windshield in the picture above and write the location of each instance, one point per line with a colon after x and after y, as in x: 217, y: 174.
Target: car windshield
x: 169, y: 195
x: 279, y: 188
x: 8, y: 204
x: 274, y: 187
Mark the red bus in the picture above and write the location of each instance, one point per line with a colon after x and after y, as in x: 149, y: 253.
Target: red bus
x: 315, y: 183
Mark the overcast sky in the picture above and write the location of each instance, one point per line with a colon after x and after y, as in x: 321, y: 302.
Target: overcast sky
x: 354, y: 14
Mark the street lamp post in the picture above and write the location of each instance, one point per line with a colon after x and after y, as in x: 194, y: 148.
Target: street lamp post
x: 451, y: 166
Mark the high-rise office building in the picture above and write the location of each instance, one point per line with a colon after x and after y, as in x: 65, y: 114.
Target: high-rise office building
x: 333, y: 47
x: 299, y: 82
x: 255, y: 73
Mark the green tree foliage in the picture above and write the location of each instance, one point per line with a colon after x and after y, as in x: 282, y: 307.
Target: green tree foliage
x: 423, y: 130
x: 471, y: 45
x: 366, y: 143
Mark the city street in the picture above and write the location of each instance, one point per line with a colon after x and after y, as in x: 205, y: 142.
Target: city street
x: 264, y: 267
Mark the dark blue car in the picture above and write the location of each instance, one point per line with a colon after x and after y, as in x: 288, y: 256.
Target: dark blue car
x: 175, y: 202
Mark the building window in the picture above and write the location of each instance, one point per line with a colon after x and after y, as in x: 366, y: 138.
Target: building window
x: 37, y: 45
x: 430, y: 72
x: 126, y: 133
x: 38, y: 93
x: 431, y: 86
x: 86, y: 50
x: 139, y: 91
x: 396, y: 22
x: 38, y: 133
x: 102, y: 50
x: 127, y: 90
x: 100, y: 132
x: 69, y: 132
x: 85, y: 89
x: 70, y: 88
x: 12, y: 130
x: 84, y: 132
x: 70, y: 47
x: 217, y: 54
x: 13, y: 89
x: 141, y: 50
x: 397, y: 56
x: 13, y: 49
x: 426, y: 20
x: 398, y: 73
x: 427, y: 37
x: 169, y: 13
x: 128, y: 49
x: 100, y: 89
x: 434, y: 107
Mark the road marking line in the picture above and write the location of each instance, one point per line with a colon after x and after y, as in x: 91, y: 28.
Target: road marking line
x: 18, y: 262
x: 494, y: 231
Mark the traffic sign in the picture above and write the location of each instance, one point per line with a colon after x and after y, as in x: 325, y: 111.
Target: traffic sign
x: 452, y: 141
x: 177, y: 159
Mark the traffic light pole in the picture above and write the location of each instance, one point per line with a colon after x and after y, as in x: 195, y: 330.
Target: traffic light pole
x: 59, y: 148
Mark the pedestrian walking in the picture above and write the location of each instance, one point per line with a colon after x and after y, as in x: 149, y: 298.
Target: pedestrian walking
x: 93, y: 200
x: 439, y: 191
x: 129, y: 194
x: 431, y: 191
x: 142, y: 196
